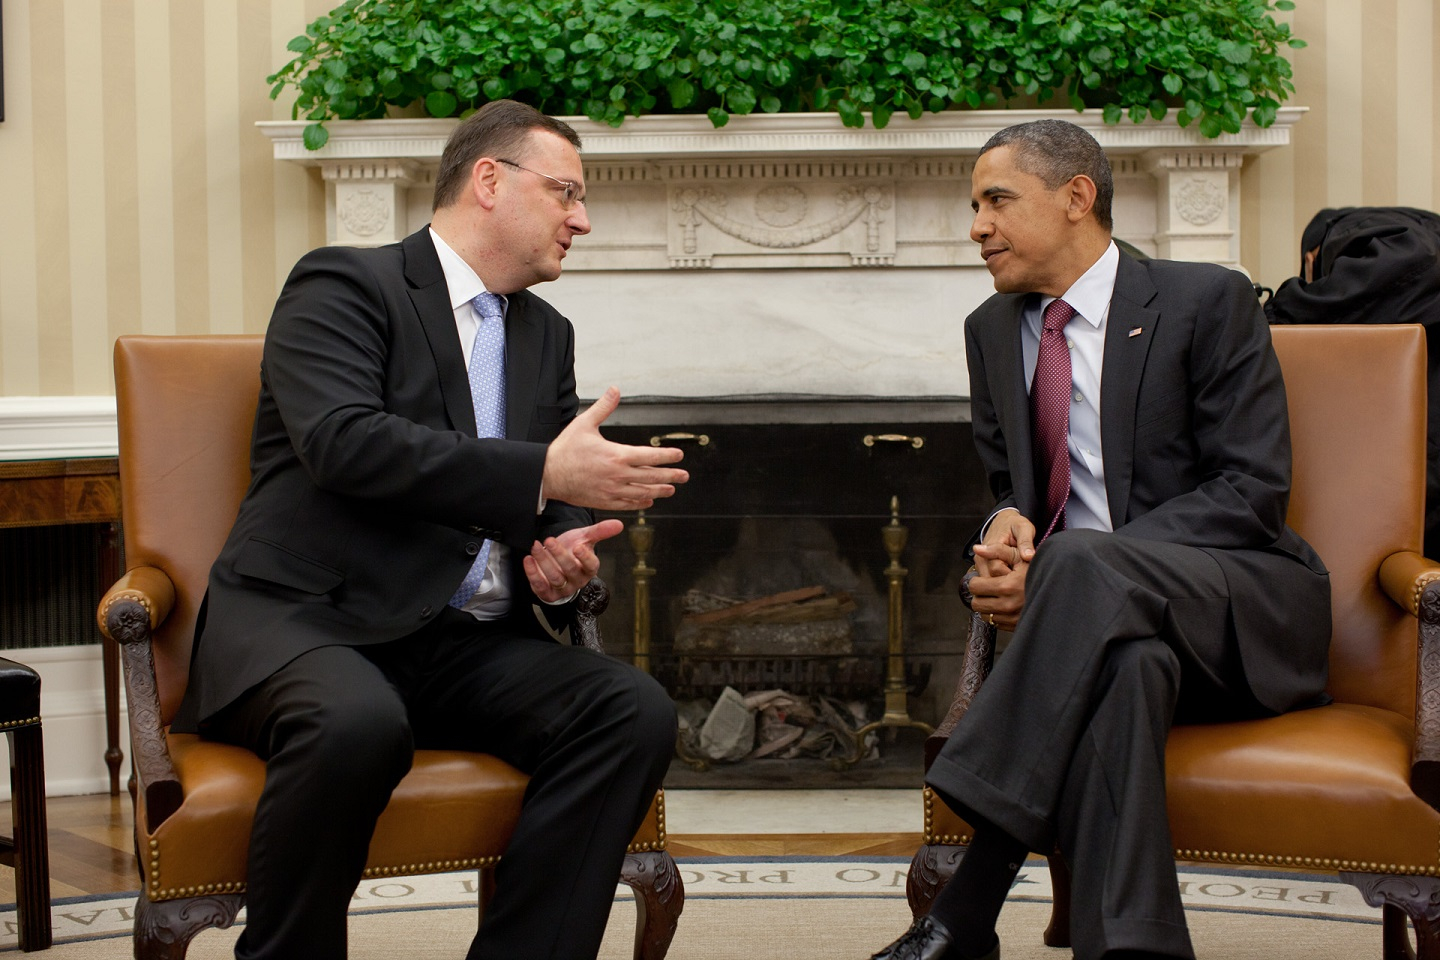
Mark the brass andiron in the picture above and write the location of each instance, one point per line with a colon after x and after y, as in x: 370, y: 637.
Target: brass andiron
x: 897, y: 712
x: 642, y: 535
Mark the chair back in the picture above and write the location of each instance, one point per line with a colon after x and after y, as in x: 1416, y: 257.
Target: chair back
x: 1357, y: 427
x: 186, y: 410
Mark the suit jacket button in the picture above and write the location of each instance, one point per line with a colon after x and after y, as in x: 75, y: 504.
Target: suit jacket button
x: 426, y: 612
x: 472, y: 548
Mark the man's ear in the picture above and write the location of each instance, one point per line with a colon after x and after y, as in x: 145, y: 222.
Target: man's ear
x: 485, y: 182
x: 1081, y: 197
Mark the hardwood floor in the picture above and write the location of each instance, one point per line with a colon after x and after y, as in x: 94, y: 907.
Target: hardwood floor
x: 92, y: 846
x: 794, y: 845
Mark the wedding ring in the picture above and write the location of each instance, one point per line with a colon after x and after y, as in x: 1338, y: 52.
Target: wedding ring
x: 990, y: 619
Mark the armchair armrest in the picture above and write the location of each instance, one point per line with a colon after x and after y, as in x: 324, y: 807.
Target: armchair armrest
x: 1413, y: 582
x: 585, y: 612
x: 130, y: 610
x: 148, y: 587
x: 1404, y: 577
x: 979, y: 658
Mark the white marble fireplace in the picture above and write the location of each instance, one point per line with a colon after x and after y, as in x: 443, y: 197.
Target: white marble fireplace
x: 787, y: 254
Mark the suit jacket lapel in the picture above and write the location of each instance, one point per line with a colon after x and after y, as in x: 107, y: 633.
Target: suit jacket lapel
x: 431, y: 298
x: 1123, y: 367
x: 524, y: 340
x: 1011, y: 397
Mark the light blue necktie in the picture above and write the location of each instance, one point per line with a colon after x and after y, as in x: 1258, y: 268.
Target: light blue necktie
x: 487, y: 395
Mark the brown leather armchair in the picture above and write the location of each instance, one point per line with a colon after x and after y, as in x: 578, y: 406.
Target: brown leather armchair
x: 1353, y: 787
x: 186, y: 405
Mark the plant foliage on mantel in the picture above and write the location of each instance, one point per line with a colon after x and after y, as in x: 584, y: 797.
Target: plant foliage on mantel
x: 1214, y: 61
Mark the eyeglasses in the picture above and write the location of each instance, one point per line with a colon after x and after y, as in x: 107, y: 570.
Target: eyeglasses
x: 570, y: 194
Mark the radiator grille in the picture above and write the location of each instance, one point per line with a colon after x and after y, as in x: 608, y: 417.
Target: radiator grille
x: 50, y: 585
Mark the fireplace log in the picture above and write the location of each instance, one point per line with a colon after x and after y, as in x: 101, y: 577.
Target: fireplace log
x: 749, y: 608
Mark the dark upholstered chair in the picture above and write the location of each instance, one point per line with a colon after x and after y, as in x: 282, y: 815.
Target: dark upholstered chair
x: 28, y: 850
x: 186, y: 406
x: 1350, y: 788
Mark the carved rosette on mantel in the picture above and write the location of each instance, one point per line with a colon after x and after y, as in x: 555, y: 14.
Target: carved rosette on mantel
x: 1198, y: 218
x: 797, y: 190
x: 367, y: 199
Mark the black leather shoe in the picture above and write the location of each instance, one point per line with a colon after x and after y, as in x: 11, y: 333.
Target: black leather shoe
x: 927, y: 939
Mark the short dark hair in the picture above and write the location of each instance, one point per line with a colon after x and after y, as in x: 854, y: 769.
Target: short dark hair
x: 1057, y: 151
x: 499, y: 129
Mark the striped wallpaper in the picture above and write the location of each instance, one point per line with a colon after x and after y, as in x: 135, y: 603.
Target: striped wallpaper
x: 138, y: 197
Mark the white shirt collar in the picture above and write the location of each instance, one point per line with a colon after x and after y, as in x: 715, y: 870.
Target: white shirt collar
x: 1090, y: 295
x: 463, y: 283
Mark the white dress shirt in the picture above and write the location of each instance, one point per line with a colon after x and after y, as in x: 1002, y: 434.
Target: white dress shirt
x: 1090, y: 297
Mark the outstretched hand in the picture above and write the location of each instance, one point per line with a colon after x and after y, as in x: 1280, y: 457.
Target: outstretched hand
x: 585, y: 469
x: 559, y: 566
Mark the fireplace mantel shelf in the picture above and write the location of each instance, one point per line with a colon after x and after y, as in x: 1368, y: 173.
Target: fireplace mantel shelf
x: 660, y: 137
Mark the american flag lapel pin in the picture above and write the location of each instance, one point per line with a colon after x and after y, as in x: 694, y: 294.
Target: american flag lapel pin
x: 1135, y: 332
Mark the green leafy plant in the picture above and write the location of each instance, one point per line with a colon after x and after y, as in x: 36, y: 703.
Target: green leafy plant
x: 1213, y: 61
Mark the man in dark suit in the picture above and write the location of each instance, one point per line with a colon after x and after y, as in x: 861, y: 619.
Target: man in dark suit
x: 1138, y: 551
x: 379, y: 589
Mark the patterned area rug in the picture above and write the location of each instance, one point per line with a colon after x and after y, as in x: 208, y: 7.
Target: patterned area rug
x: 789, y: 908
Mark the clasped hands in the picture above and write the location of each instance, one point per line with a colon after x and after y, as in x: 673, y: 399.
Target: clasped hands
x: 1001, y: 562
x: 584, y: 469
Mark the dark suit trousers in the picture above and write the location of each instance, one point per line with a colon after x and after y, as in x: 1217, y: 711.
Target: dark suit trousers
x: 1064, y: 746
x: 338, y: 727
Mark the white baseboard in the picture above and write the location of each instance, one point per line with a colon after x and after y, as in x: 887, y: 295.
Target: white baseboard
x: 72, y: 710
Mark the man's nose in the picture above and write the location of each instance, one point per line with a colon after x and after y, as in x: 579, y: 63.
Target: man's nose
x: 981, y: 228
x: 579, y: 219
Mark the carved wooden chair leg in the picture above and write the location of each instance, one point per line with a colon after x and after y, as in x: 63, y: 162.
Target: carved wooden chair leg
x: 659, y: 899
x: 487, y: 888
x: 163, y: 930
x: 1400, y: 898
x: 931, y: 868
x: 1395, y: 934
x: 1427, y: 936
x: 1057, y: 934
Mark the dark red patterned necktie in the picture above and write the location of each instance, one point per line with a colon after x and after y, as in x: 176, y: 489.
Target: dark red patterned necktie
x: 1050, y: 413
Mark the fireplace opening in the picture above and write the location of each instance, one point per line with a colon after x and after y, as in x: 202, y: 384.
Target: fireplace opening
x: 798, y: 598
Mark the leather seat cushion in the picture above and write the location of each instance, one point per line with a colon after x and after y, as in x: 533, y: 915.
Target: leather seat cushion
x: 1326, y: 788
x: 453, y: 810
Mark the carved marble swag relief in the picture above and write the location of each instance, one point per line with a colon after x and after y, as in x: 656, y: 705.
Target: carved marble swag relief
x: 781, y: 215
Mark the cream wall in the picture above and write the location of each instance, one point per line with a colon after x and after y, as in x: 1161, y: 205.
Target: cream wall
x: 1370, y: 77
x: 138, y: 197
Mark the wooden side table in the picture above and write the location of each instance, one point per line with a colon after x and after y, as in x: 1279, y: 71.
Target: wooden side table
x: 39, y: 493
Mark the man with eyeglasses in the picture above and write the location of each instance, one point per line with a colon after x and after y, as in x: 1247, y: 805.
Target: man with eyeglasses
x: 417, y: 521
